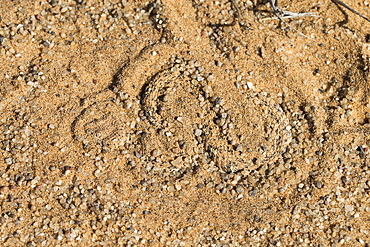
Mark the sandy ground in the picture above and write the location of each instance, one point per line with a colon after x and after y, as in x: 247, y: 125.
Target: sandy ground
x: 183, y: 123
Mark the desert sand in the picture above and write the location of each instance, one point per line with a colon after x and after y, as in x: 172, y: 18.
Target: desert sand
x: 184, y: 123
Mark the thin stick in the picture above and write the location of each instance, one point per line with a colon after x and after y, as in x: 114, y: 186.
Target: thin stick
x: 289, y: 15
x: 350, y: 9
x: 238, y: 15
x: 275, y: 11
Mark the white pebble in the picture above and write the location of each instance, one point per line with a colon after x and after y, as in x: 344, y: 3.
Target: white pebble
x: 250, y: 85
x: 198, y: 132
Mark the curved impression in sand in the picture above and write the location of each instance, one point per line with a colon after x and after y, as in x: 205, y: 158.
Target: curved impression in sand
x: 185, y: 123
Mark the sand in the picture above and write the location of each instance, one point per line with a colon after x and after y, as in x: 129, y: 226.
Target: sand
x: 183, y: 123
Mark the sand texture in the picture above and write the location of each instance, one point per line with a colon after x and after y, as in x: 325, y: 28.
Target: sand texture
x: 184, y: 123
